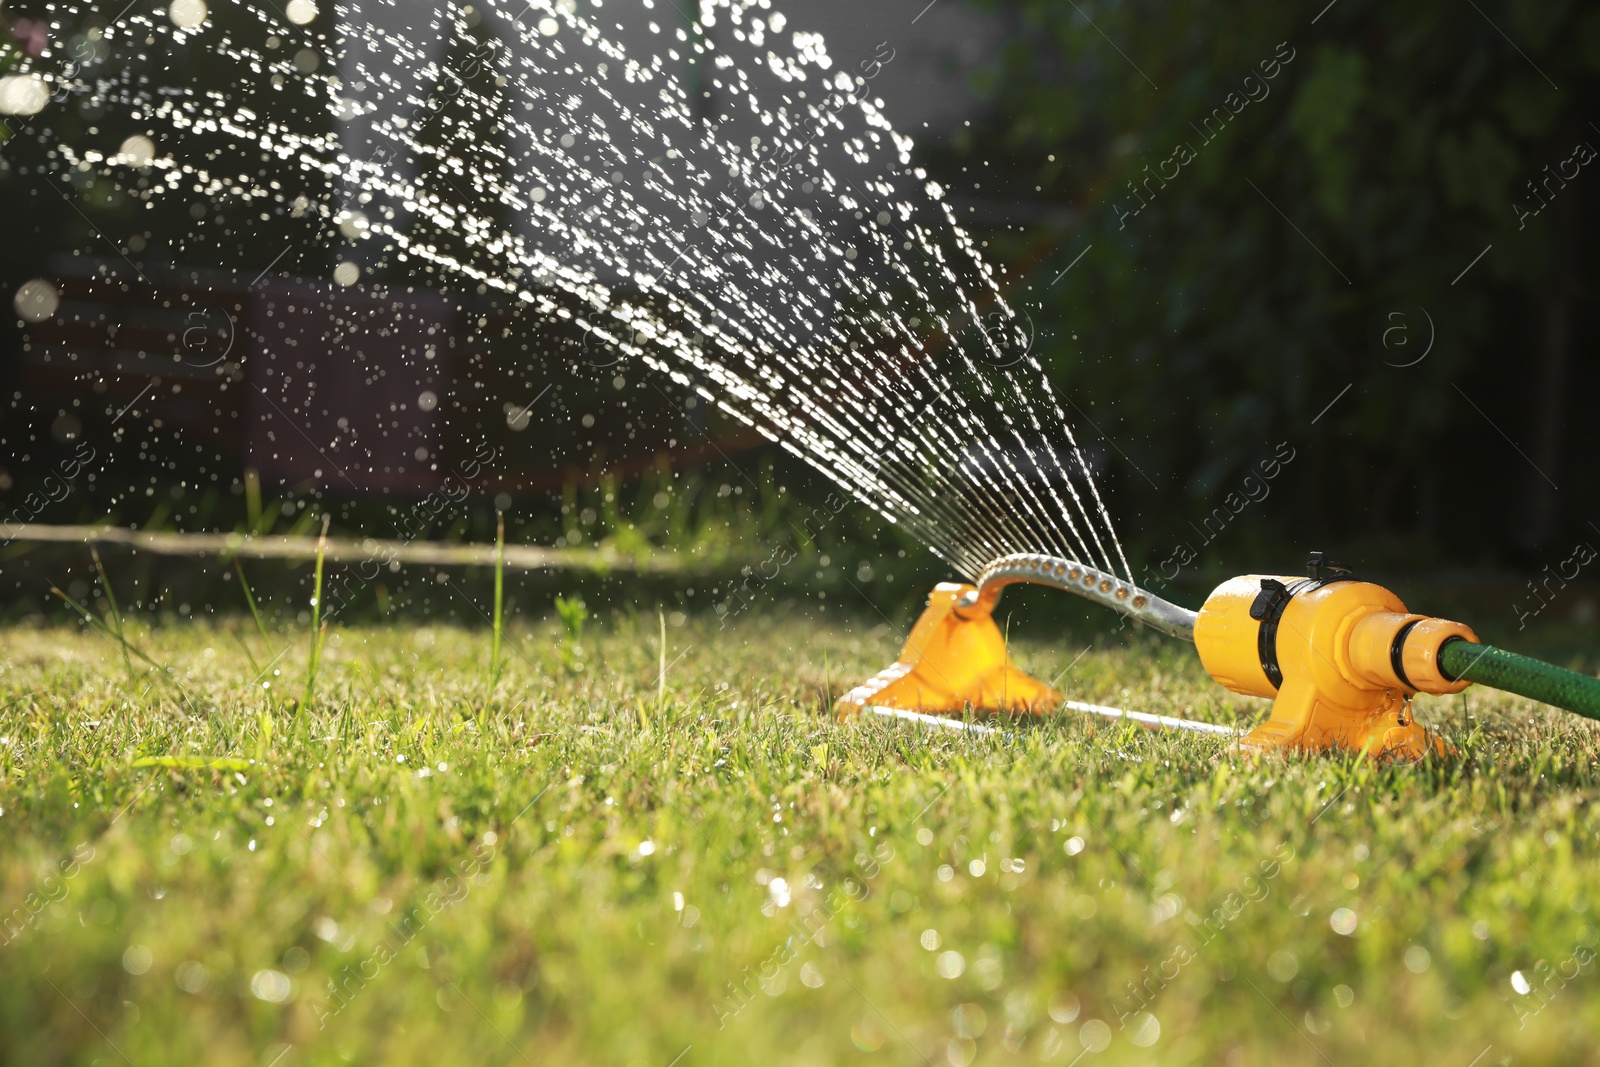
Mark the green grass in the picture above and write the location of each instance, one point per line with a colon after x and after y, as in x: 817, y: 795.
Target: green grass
x: 585, y: 870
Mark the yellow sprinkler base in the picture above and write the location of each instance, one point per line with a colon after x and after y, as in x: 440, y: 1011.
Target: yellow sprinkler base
x: 952, y: 663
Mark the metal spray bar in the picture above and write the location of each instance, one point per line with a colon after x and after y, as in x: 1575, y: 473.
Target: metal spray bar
x: 1087, y: 582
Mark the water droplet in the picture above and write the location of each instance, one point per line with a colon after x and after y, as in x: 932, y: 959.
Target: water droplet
x: 191, y: 976
x: 1064, y: 1007
x: 23, y: 94
x: 1283, y: 965
x: 969, y: 1020
x: 187, y: 14
x: 36, y: 300
x: 274, y: 987
x: 137, y: 151
x: 1094, y: 1035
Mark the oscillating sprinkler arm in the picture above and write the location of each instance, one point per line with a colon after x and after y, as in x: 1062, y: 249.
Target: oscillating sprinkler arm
x: 1096, y: 585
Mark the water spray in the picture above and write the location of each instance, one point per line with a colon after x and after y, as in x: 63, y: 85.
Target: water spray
x: 1340, y: 658
x: 821, y: 291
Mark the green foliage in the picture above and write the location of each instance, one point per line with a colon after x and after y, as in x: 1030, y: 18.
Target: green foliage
x: 1359, y: 177
x: 572, y: 612
x: 1324, y: 115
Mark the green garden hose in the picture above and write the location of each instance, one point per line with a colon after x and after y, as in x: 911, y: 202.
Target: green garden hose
x: 1536, y: 680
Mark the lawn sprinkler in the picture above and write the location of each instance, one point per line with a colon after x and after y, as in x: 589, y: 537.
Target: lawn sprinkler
x: 1340, y: 658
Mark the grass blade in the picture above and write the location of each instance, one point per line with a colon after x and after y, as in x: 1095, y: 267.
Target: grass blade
x: 317, y: 627
x: 252, y: 501
x: 194, y: 763
x: 249, y: 598
x: 499, y: 602
x: 116, y: 612
x: 128, y: 649
x: 254, y: 666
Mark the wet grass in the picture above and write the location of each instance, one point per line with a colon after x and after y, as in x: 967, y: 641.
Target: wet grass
x: 612, y: 862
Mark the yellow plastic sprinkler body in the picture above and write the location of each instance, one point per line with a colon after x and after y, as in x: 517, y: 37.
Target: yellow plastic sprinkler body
x: 1341, y: 659
x: 955, y: 658
x: 952, y: 662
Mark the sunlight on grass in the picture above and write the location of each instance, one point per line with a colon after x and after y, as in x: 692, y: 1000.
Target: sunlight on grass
x: 616, y: 859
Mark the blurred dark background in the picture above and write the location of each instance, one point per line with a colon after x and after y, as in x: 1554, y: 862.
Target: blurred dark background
x: 1350, y: 245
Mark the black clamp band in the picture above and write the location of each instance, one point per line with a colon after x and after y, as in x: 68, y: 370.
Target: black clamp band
x: 1267, y: 609
x: 1397, y: 651
x: 1446, y: 643
x: 1269, y: 605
